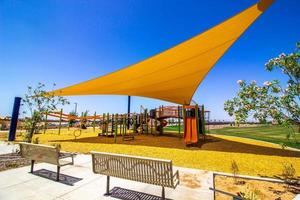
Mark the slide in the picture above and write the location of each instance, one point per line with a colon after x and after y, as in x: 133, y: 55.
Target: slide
x: 190, y: 132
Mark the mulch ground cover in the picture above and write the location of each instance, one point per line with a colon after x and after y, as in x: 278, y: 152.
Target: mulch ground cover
x: 12, y: 160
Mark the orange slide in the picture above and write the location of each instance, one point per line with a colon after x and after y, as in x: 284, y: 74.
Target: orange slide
x: 190, y: 131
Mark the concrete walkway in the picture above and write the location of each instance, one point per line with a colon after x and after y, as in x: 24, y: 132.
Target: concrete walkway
x: 79, y: 182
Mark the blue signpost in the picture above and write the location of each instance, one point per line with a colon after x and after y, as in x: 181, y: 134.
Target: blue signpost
x: 14, y: 119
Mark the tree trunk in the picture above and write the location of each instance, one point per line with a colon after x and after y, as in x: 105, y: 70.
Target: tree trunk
x: 30, y: 135
x: 31, y: 132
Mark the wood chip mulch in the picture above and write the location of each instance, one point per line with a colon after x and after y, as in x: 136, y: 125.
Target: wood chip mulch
x: 12, y: 160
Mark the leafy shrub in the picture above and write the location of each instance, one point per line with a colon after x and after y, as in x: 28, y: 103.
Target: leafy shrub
x: 288, y: 173
x: 249, y: 195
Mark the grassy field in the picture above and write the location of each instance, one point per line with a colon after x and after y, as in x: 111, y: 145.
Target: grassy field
x: 173, y: 128
x: 268, y: 133
x: 215, y: 154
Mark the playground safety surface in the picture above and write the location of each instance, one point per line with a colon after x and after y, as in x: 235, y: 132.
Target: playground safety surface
x: 173, y: 140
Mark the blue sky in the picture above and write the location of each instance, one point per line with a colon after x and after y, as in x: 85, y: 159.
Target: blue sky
x: 66, y: 42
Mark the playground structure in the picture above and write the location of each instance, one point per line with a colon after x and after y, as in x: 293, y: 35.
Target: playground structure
x: 190, y: 118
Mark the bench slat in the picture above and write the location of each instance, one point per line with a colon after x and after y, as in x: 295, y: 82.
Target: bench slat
x: 40, y: 153
x: 44, y: 153
x: 152, y: 171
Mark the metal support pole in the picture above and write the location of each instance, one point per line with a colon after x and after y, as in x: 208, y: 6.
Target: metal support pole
x: 75, y: 108
x: 116, y: 127
x: 112, y: 123
x: 81, y: 122
x: 146, y: 120
x: 94, y: 122
x: 103, y: 124
x: 128, y: 110
x: 32, y: 165
x: 134, y: 123
x: 203, y: 119
x: 57, y: 173
x: 107, y: 186
x: 197, y: 121
x: 60, y: 118
x: 155, y: 123
x: 151, y: 120
x: 122, y: 125
x: 125, y: 128
x: 45, y: 123
x: 14, y: 119
x: 184, y: 120
x: 107, y: 124
x: 163, y: 193
x: 179, y: 120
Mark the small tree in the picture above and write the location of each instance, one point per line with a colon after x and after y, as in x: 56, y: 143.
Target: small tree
x: 271, y: 101
x: 235, y: 170
x: 288, y: 173
x: 38, y: 102
x: 290, y: 96
x: 84, y: 119
x: 249, y: 194
x: 72, y: 120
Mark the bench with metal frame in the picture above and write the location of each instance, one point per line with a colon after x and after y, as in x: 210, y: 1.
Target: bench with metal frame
x: 147, y: 170
x: 47, y: 154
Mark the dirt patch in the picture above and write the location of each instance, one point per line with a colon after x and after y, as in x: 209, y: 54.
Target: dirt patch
x: 190, y: 180
x: 261, y: 189
x: 12, y: 160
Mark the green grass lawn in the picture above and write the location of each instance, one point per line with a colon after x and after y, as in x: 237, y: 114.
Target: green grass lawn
x: 268, y: 133
x: 173, y: 128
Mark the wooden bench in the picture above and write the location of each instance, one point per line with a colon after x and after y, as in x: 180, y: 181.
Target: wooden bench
x: 47, y: 154
x: 146, y: 170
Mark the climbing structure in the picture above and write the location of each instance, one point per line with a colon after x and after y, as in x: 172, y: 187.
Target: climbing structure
x: 191, y: 118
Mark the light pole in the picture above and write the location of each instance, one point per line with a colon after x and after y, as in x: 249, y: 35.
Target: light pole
x: 75, y: 108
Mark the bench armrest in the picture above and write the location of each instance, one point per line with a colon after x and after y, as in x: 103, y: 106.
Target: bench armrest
x: 63, y: 154
x: 175, y: 179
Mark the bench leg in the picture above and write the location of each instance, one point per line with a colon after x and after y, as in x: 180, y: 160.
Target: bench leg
x: 107, y: 186
x: 72, y: 160
x: 57, y: 175
x: 163, y: 193
x: 32, y: 164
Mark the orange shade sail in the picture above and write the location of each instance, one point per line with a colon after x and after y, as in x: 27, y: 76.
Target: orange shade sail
x: 175, y: 74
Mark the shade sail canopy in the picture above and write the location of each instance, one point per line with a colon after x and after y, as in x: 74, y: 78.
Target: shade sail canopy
x: 172, y: 75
